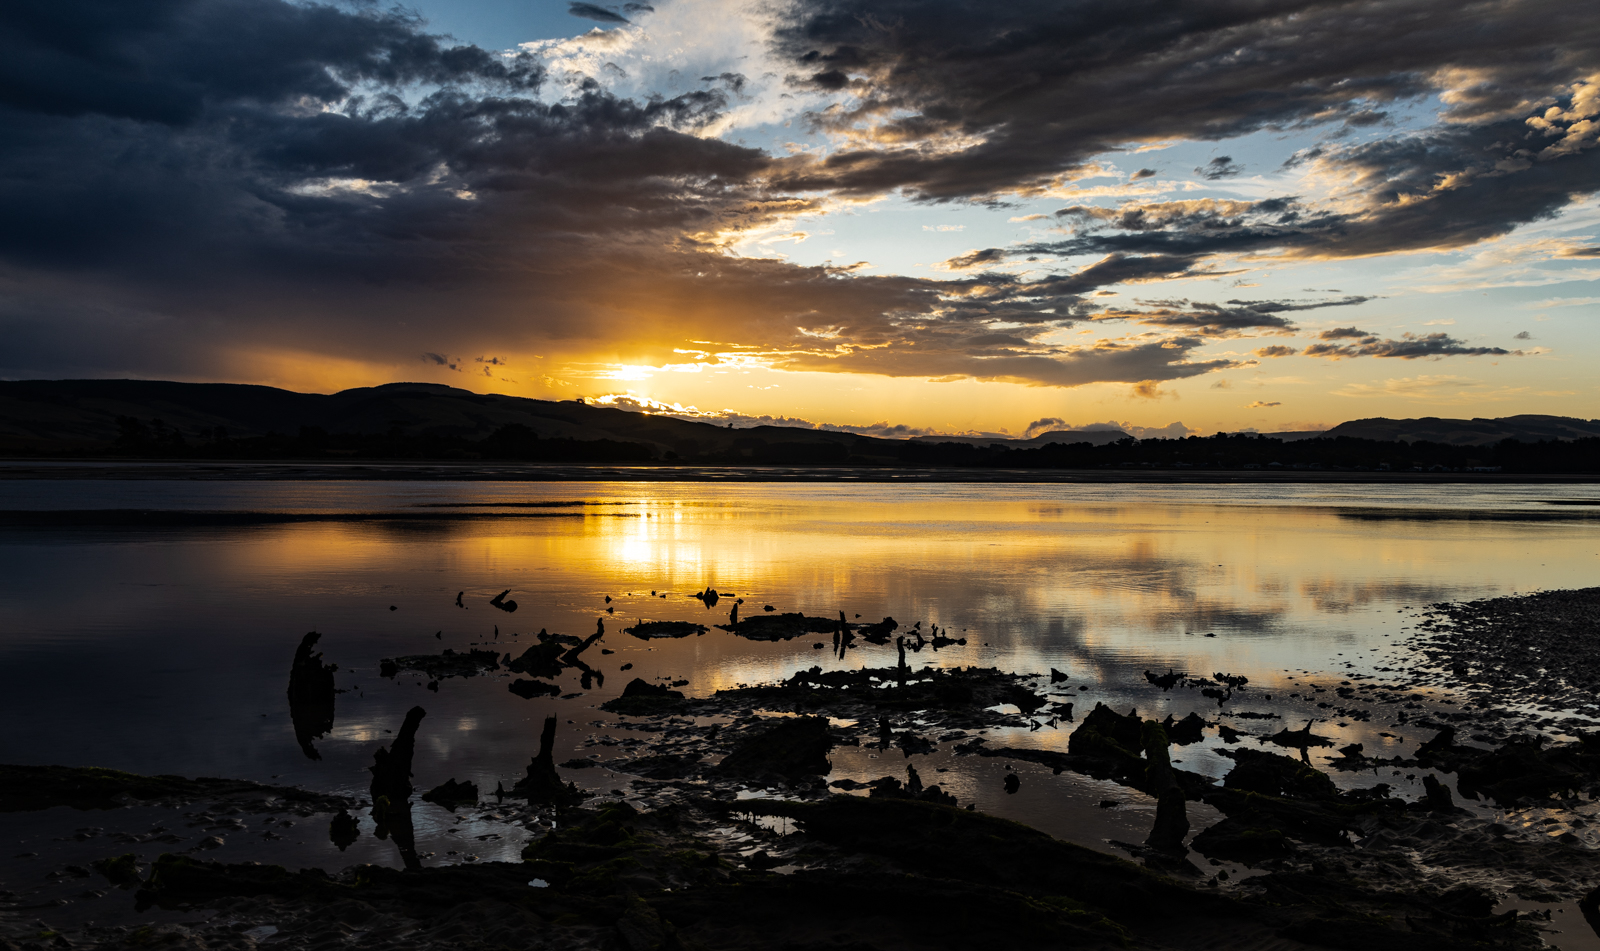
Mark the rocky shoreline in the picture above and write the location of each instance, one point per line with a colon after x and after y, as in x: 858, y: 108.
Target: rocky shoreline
x: 731, y: 833
x: 1539, y: 650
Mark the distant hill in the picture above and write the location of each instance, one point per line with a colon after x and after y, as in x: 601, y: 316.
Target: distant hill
x: 1094, y: 437
x: 56, y: 415
x: 65, y: 415
x: 414, y: 420
x: 1463, y: 432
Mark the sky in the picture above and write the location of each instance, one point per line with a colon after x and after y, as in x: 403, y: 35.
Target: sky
x: 899, y: 217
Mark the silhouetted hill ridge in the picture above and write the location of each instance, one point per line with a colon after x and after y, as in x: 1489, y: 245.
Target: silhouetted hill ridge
x: 1095, y: 437
x: 82, y: 416
x: 1467, y: 432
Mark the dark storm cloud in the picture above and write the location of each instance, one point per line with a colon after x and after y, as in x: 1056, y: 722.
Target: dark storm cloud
x: 972, y: 259
x: 166, y: 60
x: 1223, y: 166
x: 1119, y: 268
x: 185, y: 181
x: 950, y: 356
x: 186, y: 185
x: 1033, y: 91
x: 1045, y: 86
x: 735, y: 82
x: 1410, y: 347
x: 1193, y: 228
x: 590, y: 11
x: 1233, y: 318
x: 185, y: 177
x: 1446, y: 188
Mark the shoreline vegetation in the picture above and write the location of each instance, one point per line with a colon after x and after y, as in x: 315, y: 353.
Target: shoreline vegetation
x: 733, y: 833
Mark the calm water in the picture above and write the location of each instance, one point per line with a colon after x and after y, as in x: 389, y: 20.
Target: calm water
x: 166, y: 650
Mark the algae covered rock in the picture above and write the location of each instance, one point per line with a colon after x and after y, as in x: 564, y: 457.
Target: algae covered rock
x: 1272, y: 774
x: 531, y: 689
x: 643, y: 698
x: 793, y: 748
x: 1191, y: 729
x: 543, y: 785
x: 121, y: 871
x: 344, y: 830
x: 1107, y: 734
x: 540, y: 660
x: 780, y: 627
x: 452, y: 795
x: 645, y: 630
x: 1524, y: 769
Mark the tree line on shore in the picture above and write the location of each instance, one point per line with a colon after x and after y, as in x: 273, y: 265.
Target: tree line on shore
x: 516, y: 442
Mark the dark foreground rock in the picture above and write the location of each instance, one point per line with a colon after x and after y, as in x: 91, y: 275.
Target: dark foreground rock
x: 861, y: 873
x: 790, y: 749
x: 641, y: 698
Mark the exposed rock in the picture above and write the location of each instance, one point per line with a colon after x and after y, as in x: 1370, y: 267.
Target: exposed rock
x: 780, y: 627
x: 1172, y: 820
x: 1275, y: 775
x: 452, y: 795
x: 645, y: 630
x: 531, y: 689
x: 541, y: 659
x: 1165, y: 681
x: 791, y: 748
x: 442, y: 665
x: 878, y: 633
x: 1191, y: 729
x: 391, y: 767
x: 1439, y: 798
x: 122, y: 871
x: 1024, y: 699
x: 1301, y: 739
x: 344, y: 830
x: 1106, y: 734
x: 542, y: 784
x: 642, y: 698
